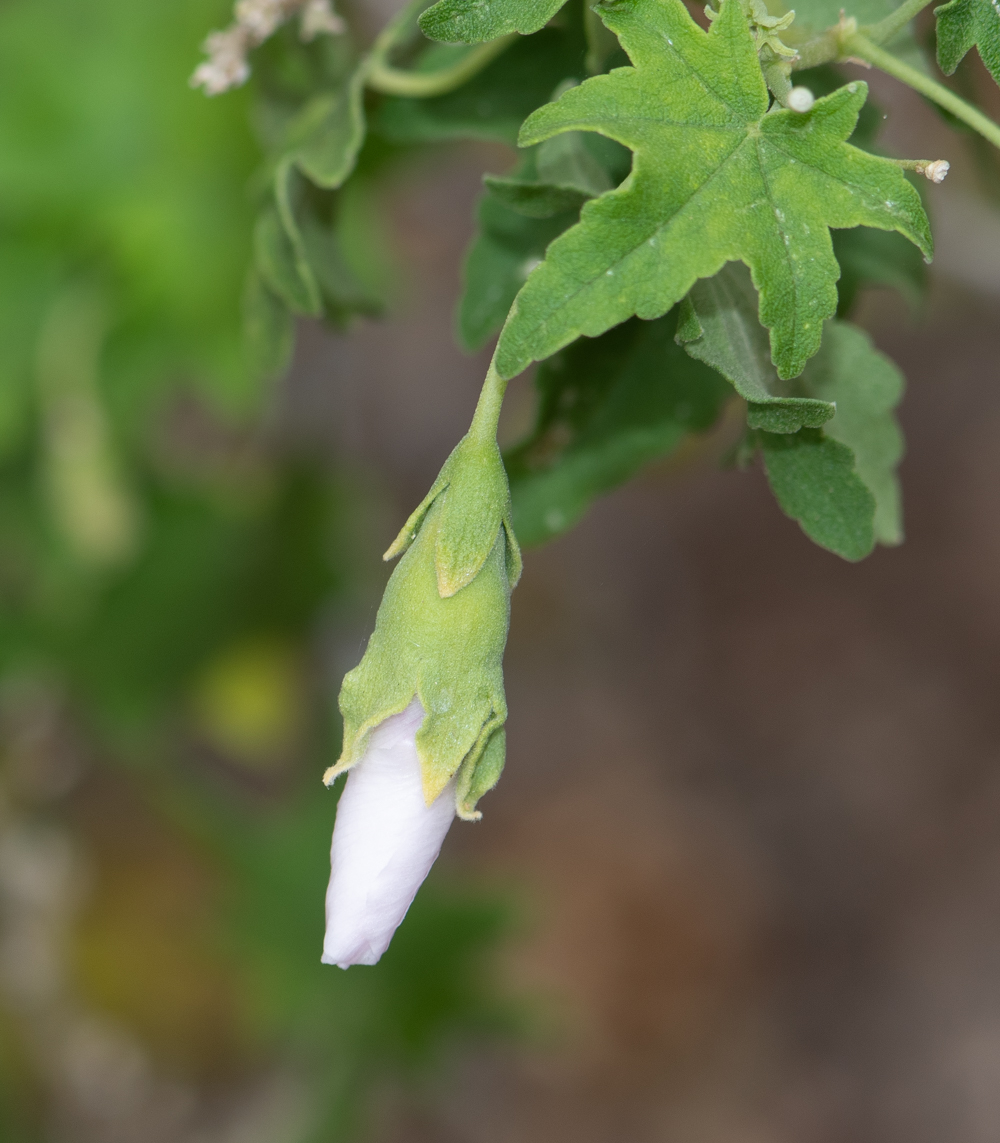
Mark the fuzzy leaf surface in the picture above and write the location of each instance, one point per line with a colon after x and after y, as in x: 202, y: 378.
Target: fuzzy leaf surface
x: 311, y: 104
x: 964, y: 24
x: 840, y: 483
x: 474, y: 21
x: 520, y: 215
x: 814, y: 480
x: 507, y: 248
x: 606, y: 409
x: 718, y: 325
x: 866, y: 387
x: 715, y: 178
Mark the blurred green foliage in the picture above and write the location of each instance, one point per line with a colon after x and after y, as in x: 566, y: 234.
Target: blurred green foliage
x: 163, y: 570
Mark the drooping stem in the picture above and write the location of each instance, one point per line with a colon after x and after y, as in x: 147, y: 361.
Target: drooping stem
x: 863, y: 48
x: 487, y: 414
x: 380, y: 76
x: 896, y: 21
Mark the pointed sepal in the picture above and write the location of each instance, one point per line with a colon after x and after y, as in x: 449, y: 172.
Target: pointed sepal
x: 441, y: 630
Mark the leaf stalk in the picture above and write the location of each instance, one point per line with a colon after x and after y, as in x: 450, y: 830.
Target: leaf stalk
x: 895, y: 22
x: 862, y: 47
x: 382, y: 77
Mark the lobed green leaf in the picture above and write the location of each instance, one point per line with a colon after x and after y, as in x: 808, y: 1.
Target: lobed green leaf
x: 520, y: 215
x: 963, y: 25
x: 716, y: 178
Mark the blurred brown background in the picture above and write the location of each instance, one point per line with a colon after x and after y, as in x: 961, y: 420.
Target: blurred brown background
x: 752, y: 798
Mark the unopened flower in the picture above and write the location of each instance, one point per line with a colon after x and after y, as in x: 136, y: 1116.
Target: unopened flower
x: 386, y: 840
x: 424, y: 710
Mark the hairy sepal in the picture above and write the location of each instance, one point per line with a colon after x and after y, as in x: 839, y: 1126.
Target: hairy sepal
x: 475, y: 508
x: 440, y: 632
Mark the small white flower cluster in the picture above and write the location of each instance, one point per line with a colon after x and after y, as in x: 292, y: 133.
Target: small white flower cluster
x: 256, y: 20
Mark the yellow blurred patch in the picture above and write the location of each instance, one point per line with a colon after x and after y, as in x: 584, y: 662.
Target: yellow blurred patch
x: 249, y: 703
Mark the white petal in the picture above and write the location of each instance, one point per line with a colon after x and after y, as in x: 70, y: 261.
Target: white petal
x: 385, y: 840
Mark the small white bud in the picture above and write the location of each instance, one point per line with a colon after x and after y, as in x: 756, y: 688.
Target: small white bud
x: 800, y: 99
x: 937, y: 170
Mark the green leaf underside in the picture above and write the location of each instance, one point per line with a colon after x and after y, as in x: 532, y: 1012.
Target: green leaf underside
x: 310, y: 106
x: 714, y: 179
x: 474, y: 21
x: 718, y: 325
x: 849, y: 389
x: 496, y: 101
x: 299, y: 256
x: 327, y: 135
x: 606, y: 409
x: 866, y: 387
x: 558, y: 175
x: 813, y: 479
x: 964, y: 24
x: 840, y: 482
x: 508, y: 247
x: 518, y: 218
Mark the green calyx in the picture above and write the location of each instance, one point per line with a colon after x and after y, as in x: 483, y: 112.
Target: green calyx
x: 441, y: 630
x: 475, y: 504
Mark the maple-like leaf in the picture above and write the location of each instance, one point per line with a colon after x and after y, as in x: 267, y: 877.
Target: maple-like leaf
x: 716, y: 177
x: 964, y: 24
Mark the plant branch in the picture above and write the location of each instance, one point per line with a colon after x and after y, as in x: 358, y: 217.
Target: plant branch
x: 896, y: 21
x: 860, y: 46
x: 380, y: 76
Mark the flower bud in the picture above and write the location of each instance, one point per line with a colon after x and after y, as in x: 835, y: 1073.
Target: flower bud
x: 424, y: 709
x: 386, y: 840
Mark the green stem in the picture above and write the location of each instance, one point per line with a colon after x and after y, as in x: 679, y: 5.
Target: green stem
x: 487, y: 414
x: 825, y: 48
x: 861, y: 47
x: 896, y: 21
x: 380, y: 76
x: 776, y: 78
